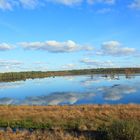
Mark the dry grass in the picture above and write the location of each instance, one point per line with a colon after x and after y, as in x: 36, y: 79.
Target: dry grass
x: 82, y: 117
x: 56, y: 122
x: 38, y: 135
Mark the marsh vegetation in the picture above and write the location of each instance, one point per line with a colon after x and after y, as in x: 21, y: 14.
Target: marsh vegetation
x: 85, y: 122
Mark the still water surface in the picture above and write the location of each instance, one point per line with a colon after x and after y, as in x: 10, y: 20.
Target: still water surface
x: 71, y: 90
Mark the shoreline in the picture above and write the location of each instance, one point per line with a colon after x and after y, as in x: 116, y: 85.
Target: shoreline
x: 17, y: 76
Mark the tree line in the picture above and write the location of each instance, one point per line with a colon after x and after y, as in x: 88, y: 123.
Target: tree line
x: 16, y: 76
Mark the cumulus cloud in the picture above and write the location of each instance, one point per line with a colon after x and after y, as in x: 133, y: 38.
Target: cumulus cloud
x: 115, y: 48
x: 135, y: 4
x: 97, y: 63
x: 54, y: 46
x: 5, y: 47
x: 116, y: 92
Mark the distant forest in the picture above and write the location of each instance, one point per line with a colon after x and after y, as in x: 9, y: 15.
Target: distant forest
x: 16, y: 76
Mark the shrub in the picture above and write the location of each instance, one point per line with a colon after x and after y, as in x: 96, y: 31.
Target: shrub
x: 122, y: 130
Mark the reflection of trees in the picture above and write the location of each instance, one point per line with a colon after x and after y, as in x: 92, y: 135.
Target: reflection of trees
x: 117, y: 76
x: 129, y: 76
x: 129, y: 73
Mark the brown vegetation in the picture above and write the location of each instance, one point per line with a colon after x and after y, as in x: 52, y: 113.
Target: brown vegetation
x: 66, y: 122
x: 39, y: 135
x: 79, y: 117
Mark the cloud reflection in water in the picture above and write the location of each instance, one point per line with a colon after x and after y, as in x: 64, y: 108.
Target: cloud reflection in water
x: 116, y: 92
x: 56, y: 98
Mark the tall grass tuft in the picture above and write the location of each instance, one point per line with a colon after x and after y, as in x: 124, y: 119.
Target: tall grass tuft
x: 122, y: 130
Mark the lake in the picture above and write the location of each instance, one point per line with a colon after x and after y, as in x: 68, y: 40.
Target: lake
x: 72, y: 90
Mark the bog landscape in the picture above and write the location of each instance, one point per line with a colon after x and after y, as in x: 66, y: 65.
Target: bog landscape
x: 69, y: 70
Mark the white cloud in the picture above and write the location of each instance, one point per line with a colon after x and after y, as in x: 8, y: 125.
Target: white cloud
x: 97, y: 63
x: 55, y: 46
x: 5, y: 47
x: 115, y: 48
x: 5, y: 5
x: 135, y: 4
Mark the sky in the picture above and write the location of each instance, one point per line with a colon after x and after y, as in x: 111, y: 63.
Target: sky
x: 43, y: 35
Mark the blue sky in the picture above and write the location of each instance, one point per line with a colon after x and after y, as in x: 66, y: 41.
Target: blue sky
x: 69, y: 34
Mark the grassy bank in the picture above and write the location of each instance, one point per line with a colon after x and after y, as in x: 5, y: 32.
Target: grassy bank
x: 84, y: 122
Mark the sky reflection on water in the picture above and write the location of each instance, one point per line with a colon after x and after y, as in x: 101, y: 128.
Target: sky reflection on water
x: 72, y: 90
